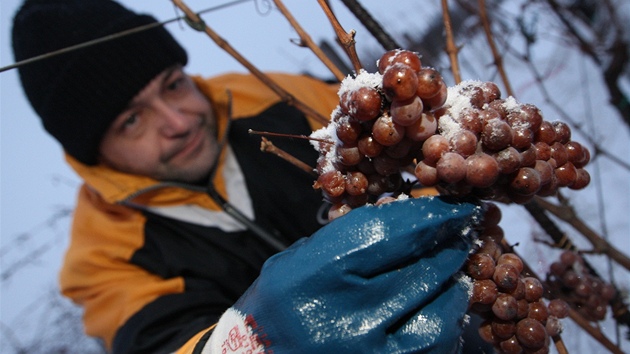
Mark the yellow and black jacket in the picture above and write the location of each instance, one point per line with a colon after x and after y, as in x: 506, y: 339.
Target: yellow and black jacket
x: 153, y: 263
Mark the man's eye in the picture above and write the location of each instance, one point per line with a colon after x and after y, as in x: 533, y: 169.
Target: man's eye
x: 130, y: 121
x: 176, y: 84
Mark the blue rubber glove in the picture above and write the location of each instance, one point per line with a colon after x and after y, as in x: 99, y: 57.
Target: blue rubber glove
x: 380, y: 279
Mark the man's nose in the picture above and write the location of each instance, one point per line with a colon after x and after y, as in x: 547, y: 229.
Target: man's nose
x: 172, y: 122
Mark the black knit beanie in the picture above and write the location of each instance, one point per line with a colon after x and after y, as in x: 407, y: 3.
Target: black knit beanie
x: 79, y: 94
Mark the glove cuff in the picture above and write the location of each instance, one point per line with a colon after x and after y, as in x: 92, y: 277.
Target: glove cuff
x: 236, y: 333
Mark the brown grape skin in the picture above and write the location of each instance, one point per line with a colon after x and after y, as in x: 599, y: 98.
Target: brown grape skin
x: 563, y: 132
x: 427, y: 175
x: 348, y: 130
x: 408, y: 58
x: 484, y: 292
x: 534, y: 117
x: 533, y: 289
x: 377, y: 184
x: 492, y: 215
x: 566, y: 174
x: 365, y: 104
x: 506, y: 277
x: 519, y: 292
x: 570, y: 279
x: 386, y: 60
x: 485, y: 332
x: 451, y: 167
x: 582, y: 179
x: 557, y: 269
x: 355, y: 201
x: 475, y: 94
x: 400, y: 82
x: 549, y: 189
x: 482, y: 170
x: 568, y: 258
x: 402, y: 56
x: 522, y: 137
x: 544, y: 170
x: 464, y: 142
x: 385, y: 165
x: 438, y: 100
x: 503, y: 329
x: 490, y: 247
x: 470, y: 120
x: 545, y: 133
x: 558, y: 308
x: 543, y: 150
x: 531, y: 333
x: 522, y: 309
x: 526, y: 181
x: 422, y: 128
x: 356, y: 183
x: 575, y: 152
x: 368, y: 146
x: 553, y: 326
x: 538, y: 311
x: 491, y: 91
x: 512, y: 259
x: 559, y: 153
x: 505, y: 307
x: 510, y: 346
x: 528, y: 156
x: 429, y: 82
x: 406, y: 112
x: 608, y: 292
x: 509, y: 160
x: 480, y: 266
x: 332, y: 182
x: 386, y: 132
x: 496, y: 135
x: 349, y: 155
x: 433, y: 148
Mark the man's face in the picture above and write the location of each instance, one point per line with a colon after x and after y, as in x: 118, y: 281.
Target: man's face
x: 167, y: 132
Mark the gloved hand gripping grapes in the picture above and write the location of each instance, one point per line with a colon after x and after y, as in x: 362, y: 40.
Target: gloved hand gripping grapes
x: 381, y: 279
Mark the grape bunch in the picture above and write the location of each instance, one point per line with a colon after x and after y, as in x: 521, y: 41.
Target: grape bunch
x: 403, y: 125
x: 586, y: 293
x: 499, y: 149
x: 516, y: 318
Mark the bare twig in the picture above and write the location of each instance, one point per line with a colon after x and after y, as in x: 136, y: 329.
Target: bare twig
x: 268, y: 146
x: 284, y: 95
x: 306, y: 40
x: 566, y: 213
x: 498, y: 60
x: 377, y: 31
x: 346, y: 39
x: 451, y: 48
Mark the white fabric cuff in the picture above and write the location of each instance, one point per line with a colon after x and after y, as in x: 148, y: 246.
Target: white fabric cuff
x: 233, y: 335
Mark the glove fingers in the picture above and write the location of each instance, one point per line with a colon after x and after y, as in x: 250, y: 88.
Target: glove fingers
x: 405, y: 230
x: 437, y: 327
x: 420, y: 280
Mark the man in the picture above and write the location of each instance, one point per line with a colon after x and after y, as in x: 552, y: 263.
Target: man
x: 180, y: 209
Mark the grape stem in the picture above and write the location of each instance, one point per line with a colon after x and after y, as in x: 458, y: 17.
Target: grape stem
x: 198, y: 23
x: 293, y: 136
x: 346, y: 39
x: 307, y: 41
x: 268, y: 146
x: 451, y: 48
x: 498, y: 60
x: 566, y: 213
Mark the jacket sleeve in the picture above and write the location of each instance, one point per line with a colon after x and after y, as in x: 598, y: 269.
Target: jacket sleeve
x: 96, y: 273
